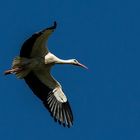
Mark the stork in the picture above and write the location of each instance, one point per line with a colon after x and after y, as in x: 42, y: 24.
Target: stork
x: 34, y: 66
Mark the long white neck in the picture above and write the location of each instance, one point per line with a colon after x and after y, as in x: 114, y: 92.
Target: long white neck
x: 51, y: 58
x: 62, y: 61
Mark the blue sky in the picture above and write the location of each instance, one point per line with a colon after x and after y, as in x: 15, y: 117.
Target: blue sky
x: 105, y: 36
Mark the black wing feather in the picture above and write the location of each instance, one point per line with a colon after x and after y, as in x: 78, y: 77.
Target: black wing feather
x: 61, y: 112
x: 39, y: 89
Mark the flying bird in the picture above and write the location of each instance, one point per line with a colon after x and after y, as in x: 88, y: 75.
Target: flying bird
x: 34, y: 66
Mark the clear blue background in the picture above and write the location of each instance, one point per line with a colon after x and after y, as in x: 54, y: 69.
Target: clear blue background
x: 104, y: 35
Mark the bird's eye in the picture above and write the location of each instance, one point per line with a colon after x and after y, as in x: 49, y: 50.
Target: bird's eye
x: 75, y: 61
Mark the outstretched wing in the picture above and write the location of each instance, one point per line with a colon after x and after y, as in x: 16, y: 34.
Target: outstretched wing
x: 56, y: 101
x: 35, y: 45
x: 53, y: 99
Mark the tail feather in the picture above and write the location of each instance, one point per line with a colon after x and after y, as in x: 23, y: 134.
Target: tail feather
x: 20, y: 62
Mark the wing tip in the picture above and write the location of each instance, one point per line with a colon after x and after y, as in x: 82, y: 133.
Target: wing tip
x: 65, y: 123
x: 54, y: 26
x: 65, y: 118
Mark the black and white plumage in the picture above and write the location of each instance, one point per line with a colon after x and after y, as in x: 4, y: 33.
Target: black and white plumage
x: 34, y: 65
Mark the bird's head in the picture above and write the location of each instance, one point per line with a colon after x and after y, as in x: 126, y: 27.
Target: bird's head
x: 75, y: 62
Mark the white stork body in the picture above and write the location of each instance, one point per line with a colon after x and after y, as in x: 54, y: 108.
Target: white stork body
x: 34, y: 65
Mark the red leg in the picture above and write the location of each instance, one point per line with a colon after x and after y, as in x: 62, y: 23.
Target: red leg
x: 11, y: 71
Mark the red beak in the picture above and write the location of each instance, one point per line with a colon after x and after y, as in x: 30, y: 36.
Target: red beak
x: 81, y: 65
